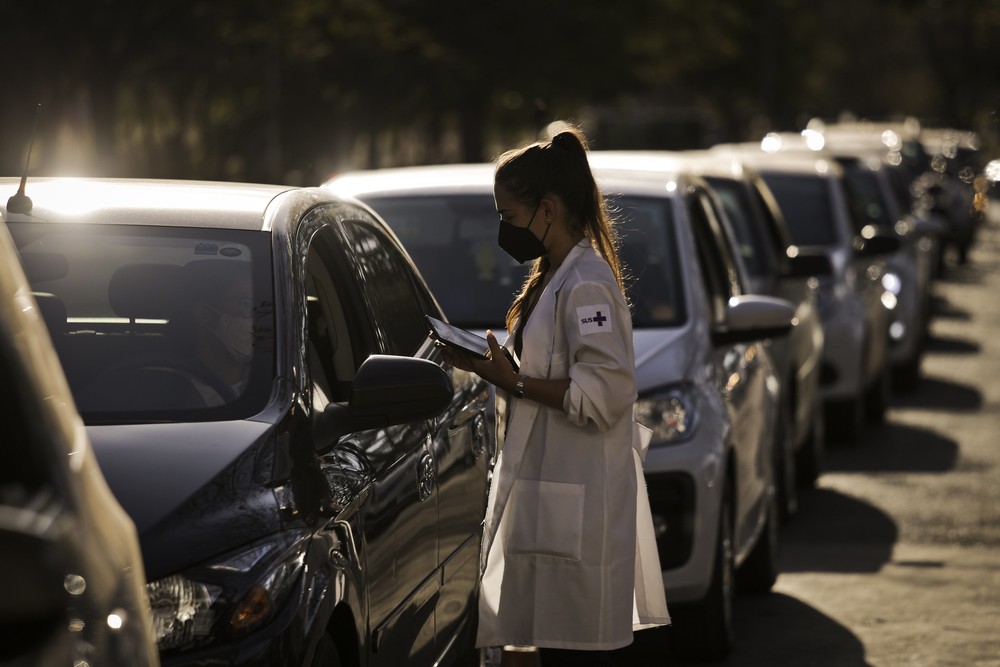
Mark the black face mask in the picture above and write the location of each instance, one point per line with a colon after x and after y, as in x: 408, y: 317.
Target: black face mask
x: 519, y: 242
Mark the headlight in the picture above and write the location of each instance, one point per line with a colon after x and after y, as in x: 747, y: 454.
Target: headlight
x: 671, y: 413
x: 227, y: 598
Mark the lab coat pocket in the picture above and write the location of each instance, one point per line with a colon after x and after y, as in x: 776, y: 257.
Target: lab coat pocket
x: 546, y: 519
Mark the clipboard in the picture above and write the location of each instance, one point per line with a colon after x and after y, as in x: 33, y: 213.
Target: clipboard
x: 466, y: 341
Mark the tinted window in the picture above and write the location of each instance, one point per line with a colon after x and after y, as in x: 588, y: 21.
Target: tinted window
x: 648, y: 252
x: 806, y: 206
x: 453, y: 242
x: 739, y: 208
x: 396, y: 304
x: 156, y: 323
x: 862, y: 186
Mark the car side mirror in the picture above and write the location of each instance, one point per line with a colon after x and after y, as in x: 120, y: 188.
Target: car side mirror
x: 754, y: 317
x: 872, y: 242
x: 387, y: 390
x: 807, y: 263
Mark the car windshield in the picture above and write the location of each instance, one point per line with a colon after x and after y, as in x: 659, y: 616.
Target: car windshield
x: 805, y: 203
x: 648, y: 252
x: 453, y: 242
x: 154, y: 323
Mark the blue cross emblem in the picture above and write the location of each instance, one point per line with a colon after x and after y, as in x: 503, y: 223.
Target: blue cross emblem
x: 600, y: 319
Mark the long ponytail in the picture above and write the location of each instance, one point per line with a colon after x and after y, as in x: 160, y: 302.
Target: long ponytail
x: 559, y: 166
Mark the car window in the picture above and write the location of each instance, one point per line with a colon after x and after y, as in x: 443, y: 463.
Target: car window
x: 453, y: 242
x: 753, y: 245
x: 155, y: 324
x: 806, y: 206
x: 648, y: 252
x: 396, y: 301
x: 718, y: 268
x: 863, y: 189
x: 337, y: 342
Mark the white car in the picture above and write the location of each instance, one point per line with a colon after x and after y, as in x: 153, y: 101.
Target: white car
x: 856, y: 379
x: 764, y: 244
x: 705, y: 378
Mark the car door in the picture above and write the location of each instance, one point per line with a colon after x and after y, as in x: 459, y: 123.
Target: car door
x: 742, y: 369
x: 452, y: 465
x: 390, y: 467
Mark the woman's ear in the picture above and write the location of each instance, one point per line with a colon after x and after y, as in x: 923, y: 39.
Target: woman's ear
x: 549, y: 208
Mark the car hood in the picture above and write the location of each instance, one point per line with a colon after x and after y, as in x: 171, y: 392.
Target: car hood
x: 193, y: 490
x: 663, y: 356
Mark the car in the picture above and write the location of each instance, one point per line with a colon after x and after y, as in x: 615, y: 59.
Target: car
x: 856, y: 376
x: 70, y: 566
x: 307, y: 476
x: 774, y: 267
x: 909, y: 270
x: 704, y: 375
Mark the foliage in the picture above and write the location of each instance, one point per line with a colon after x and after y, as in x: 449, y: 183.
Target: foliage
x: 292, y: 90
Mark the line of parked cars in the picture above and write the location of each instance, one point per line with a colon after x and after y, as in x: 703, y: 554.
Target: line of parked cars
x: 289, y: 471
x: 780, y: 292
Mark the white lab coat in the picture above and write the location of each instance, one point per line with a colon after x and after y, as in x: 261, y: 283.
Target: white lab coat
x: 565, y: 563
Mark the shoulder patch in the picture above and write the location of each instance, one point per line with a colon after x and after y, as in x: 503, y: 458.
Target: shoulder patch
x: 594, y: 319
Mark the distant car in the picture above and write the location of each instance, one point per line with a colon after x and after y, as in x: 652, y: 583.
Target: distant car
x: 775, y: 267
x: 252, y: 362
x: 705, y: 378
x: 71, y: 574
x: 856, y: 376
x: 909, y: 270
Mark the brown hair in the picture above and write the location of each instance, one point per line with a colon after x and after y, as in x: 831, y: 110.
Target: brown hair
x: 559, y: 166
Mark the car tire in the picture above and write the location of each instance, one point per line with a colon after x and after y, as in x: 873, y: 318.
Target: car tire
x: 785, y: 483
x: 326, y: 653
x: 705, y: 630
x: 809, y: 457
x: 878, y: 397
x: 846, y: 419
x: 759, y: 571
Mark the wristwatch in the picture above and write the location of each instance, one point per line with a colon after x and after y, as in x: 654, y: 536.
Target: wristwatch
x: 519, y: 387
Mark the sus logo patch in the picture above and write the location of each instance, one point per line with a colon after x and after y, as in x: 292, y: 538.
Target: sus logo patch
x: 594, y: 319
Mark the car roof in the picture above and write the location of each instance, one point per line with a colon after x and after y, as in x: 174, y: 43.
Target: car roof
x: 803, y: 161
x: 458, y: 179
x: 424, y: 179
x: 143, y: 202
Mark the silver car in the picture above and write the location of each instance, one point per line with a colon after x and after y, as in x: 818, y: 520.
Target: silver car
x: 706, y: 380
x: 776, y: 268
x: 74, y: 590
x: 856, y: 379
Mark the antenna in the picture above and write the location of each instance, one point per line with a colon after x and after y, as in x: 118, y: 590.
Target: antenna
x: 20, y: 202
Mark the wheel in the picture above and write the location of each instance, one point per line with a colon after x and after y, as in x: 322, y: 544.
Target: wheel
x: 326, y: 653
x: 845, y: 419
x: 878, y: 397
x: 143, y: 368
x: 759, y: 571
x: 784, y: 473
x: 809, y: 457
x: 705, y: 630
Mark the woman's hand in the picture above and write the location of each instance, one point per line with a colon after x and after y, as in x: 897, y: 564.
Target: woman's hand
x: 496, y: 369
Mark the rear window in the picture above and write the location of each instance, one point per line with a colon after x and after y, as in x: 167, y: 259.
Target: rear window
x: 155, y: 324
x: 805, y: 203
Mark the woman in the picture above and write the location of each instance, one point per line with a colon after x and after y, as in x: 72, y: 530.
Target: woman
x: 562, y: 567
